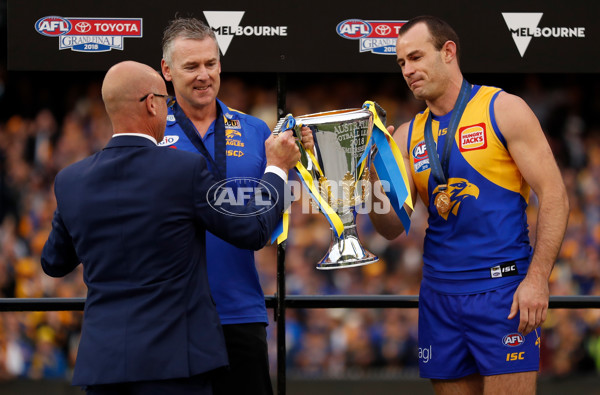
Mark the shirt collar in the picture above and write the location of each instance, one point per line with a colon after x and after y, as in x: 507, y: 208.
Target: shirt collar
x: 138, y: 135
x: 171, y: 120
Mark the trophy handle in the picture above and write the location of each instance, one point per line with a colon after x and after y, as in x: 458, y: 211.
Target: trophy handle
x: 289, y: 123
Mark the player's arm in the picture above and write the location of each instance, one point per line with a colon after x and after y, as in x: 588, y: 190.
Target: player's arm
x: 386, y: 222
x: 532, y: 154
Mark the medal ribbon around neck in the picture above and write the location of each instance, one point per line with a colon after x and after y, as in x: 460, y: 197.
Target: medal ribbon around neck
x: 218, y: 164
x: 439, y: 169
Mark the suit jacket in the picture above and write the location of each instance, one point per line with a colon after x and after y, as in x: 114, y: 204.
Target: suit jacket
x: 135, y: 216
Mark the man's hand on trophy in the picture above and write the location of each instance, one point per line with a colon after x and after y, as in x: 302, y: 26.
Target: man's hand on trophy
x: 282, y: 150
x: 307, y: 139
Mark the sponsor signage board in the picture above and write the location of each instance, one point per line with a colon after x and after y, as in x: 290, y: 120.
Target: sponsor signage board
x: 312, y: 36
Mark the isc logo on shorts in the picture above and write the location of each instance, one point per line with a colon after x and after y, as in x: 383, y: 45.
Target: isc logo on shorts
x: 513, y: 340
x: 515, y: 356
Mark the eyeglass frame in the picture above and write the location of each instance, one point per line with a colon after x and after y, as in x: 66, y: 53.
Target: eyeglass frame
x: 168, y: 98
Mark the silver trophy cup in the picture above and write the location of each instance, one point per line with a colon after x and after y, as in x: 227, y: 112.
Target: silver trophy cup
x: 340, y: 140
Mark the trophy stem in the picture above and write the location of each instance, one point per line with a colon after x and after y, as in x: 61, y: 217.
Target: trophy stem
x: 346, y: 251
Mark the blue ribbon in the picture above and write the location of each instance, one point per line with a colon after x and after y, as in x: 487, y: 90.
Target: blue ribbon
x: 387, y: 170
x: 279, y: 230
x: 218, y: 164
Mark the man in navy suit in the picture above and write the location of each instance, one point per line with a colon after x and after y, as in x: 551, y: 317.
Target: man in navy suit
x: 135, y: 215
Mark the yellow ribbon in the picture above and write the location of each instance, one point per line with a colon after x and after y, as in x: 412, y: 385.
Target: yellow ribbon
x: 395, y: 150
x: 330, y: 214
x: 286, y: 223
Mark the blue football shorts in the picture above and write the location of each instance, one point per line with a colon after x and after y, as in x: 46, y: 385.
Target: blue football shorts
x: 464, y: 334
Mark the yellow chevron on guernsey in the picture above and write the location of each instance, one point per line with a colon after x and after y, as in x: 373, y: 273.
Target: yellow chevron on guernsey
x: 479, y: 145
x: 492, y: 160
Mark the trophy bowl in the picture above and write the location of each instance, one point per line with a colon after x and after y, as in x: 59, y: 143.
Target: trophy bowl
x: 340, y: 139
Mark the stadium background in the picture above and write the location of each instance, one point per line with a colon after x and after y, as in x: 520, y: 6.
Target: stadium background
x: 51, y: 115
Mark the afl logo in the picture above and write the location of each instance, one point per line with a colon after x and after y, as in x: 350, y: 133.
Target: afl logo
x: 226, y: 194
x: 354, y: 29
x: 53, y: 26
x: 420, y: 152
x: 513, y: 340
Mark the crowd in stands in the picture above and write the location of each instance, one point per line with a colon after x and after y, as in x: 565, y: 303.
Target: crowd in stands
x: 49, y: 121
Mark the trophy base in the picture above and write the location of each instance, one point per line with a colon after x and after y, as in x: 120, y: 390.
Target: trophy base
x: 346, y: 252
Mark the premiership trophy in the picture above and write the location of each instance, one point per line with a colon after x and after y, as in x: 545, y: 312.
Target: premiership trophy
x: 340, y: 139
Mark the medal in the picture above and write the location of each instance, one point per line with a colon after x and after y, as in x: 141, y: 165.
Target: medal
x: 442, y: 200
x: 440, y: 164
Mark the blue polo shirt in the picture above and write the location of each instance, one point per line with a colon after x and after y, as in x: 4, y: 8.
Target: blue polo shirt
x: 232, y: 275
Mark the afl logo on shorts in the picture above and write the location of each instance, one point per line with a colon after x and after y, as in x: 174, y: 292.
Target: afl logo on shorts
x: 513, y: 340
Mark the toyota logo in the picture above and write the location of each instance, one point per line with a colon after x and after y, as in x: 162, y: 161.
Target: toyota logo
x: 383, y: 30
x: 83, y: 27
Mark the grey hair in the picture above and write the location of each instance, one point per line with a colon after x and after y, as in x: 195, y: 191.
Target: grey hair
x: 191, y: 28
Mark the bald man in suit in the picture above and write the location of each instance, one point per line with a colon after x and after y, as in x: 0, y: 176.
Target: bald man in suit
x: 150, y: 324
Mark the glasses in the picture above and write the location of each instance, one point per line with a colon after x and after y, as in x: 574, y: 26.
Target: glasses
x: 168, y: 98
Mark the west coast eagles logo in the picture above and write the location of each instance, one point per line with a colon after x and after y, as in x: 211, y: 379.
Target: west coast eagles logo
x: 230, y: 134
x: 234, y: 141
x: 459, y: 190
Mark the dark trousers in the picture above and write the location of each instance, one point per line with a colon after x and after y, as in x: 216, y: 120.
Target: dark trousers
x: 248, y: 372
x: 197, y: 385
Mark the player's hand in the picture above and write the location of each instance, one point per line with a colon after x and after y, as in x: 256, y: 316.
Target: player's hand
x: 307, y: 139
x: 530, y: 299
x: 282, y: 150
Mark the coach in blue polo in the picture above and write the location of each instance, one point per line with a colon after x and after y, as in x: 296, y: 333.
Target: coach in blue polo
x: 233, y: 144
